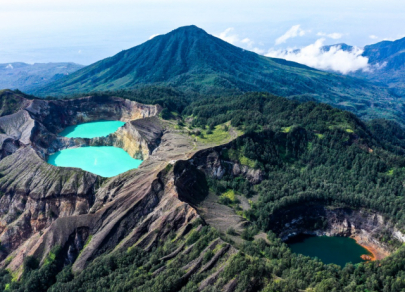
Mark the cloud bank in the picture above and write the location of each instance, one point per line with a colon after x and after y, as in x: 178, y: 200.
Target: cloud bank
x: 333, y: 60
x: 231, y: 37
x: 314, y: 55
x: 291, y: 33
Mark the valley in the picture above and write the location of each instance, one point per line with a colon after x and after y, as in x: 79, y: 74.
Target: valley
x: 184, y: 169
x: 196, y: 62
x: 212, y: 190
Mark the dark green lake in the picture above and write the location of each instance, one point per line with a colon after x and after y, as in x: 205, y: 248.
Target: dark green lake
x: 336, y: 250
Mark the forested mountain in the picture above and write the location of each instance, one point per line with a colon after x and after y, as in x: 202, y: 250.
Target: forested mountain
x: 188, y: 220
x: 189, y: 58
x: 230, y: 171
x: 386, y: 61
x: 27, y: 77
x: 387, y: 64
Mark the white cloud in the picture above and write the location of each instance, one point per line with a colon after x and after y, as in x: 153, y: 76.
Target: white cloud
x: 247, y: 41
x: 258, y: 51
x: 231, y: 37
x: 373, y: 37
x: 228, y: 36
x: 334, y: 60
x: 291, y: 33
x: 334, y: 35
x: 152, y: 36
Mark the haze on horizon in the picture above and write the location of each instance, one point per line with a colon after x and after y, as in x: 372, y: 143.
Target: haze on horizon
x: 87, y: 31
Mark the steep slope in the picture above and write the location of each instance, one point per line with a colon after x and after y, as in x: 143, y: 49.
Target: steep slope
x: 392, y: 52
x: 191, y: 59
x: 192, y: 217
x: 387, y: 60
x: 27, y: 77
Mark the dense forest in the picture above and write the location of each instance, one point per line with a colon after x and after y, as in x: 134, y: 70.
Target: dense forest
x: 309, y: 152
x: 259, y: 266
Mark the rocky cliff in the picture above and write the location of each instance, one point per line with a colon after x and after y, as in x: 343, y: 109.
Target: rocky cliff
x: 38, y: 122
x: 34, y: 194
x: 166, y: 199
x: 369, y: 228
x: 138, y: 138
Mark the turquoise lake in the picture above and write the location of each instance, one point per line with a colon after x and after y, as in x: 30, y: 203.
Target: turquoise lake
x: 336, y: 250
x: 92, y: 129
x: 106, y: 161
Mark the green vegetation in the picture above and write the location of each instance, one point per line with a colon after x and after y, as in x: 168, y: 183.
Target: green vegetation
x: 197, y: 62
x: 286, y: 129
x: 238, y: 156
x: 307, y: 152
x: 9, y: 103
x: 213, y: 135
x: 35, y: 278
x: 391, y: 54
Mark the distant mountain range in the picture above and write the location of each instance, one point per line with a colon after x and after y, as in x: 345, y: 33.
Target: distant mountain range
x: 27, y: 77
x: 189, y: 58
x: 387, y: 60
x: 387, y: 64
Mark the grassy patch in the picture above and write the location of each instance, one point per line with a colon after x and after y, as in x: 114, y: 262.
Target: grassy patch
x: 216, y: 136
x: 50, y: 258
x: 343, y: 127
x: 86, y: 244
x: 235, y: 155
x: 87, y: 241
x: 230, y: 194
x: 320, y: 136
x: 286, y: 129
x: 246, y: 161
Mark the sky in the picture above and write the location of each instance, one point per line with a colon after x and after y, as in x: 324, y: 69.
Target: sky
x: 85, y: 31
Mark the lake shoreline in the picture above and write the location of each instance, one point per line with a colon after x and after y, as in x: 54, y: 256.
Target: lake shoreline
x: 377, y: 253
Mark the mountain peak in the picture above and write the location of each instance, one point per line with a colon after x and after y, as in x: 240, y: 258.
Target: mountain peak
x: 190, y: 58
x: 189, y: 30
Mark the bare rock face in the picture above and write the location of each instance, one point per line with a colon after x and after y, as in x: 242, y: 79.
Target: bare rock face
x: 42, y: 206
x: 18, y: 126
x: 35, y: 193
x: 39, y: 121
x: 69, y: 207
x: 35, y: 196
x: 140, y: 207
x: 138, y: 138
x: 209, y: 160
x: 254, y: 176
x: 15, y: 131
x: 365, y: 226
x: 56, y: 115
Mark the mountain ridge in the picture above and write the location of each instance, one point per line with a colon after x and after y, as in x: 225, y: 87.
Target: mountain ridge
x: 190, y: 59
x: 27, y: 77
